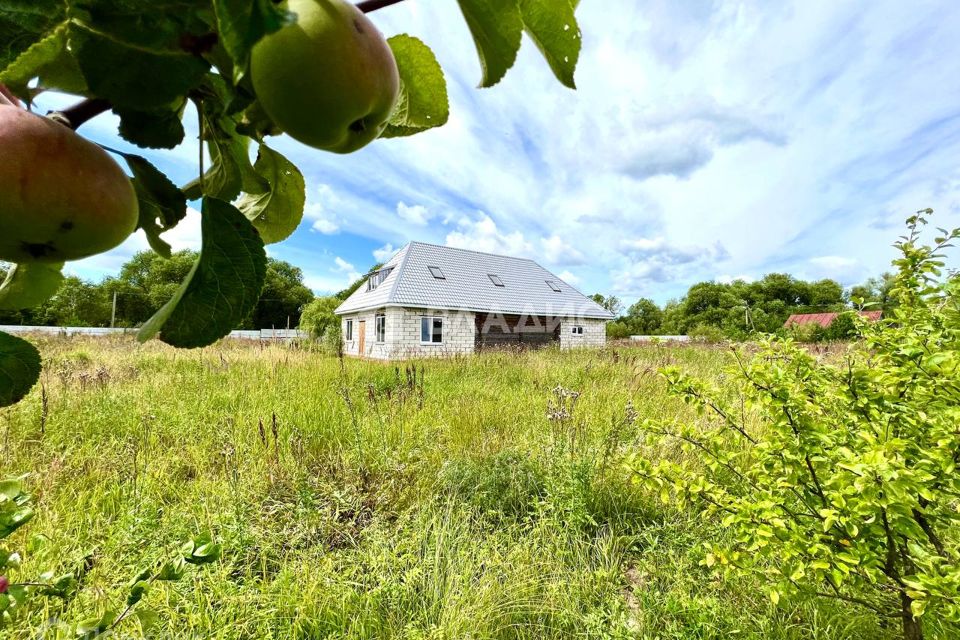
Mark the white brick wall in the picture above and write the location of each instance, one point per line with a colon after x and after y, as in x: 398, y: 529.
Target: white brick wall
x: 403, y: 334
x: 594, y: 333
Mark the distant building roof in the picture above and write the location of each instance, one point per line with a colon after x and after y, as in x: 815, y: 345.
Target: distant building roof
x: 434, y: 277
x: 826, y: 319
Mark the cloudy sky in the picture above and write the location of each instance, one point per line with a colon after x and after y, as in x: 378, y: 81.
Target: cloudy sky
x: 708, y: 140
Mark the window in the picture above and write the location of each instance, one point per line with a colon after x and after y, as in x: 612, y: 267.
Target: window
x: 377, y: 277
x: 497, y: 282
x: 578, y: 331
x: 437, y: 273
x: 431, y: 330
x: 380, y: 327
x: 348, y: 332
x: 553, y: 285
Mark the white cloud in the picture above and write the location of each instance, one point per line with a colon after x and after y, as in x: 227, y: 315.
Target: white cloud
x: 482, y: 234
x: 320, y: 209
x: 569, y: 278
x: 342, y: 265
x: 558, y: 251
x: 384, y: 253
x: 416, y: 214
x: 844, y: 269
x: 653, y: 262
x: 728, y: 279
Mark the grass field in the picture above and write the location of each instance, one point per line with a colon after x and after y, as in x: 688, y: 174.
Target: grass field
x: 375, y: 501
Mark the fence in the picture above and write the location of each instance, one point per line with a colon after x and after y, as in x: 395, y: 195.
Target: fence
x: 261, y: 334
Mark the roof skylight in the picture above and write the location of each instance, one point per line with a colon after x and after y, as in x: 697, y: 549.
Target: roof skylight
x: 553, y: 285
x: 495, y: 279
x: 435, y: 271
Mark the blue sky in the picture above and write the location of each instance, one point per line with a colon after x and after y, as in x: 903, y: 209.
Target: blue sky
x: 708, y: 140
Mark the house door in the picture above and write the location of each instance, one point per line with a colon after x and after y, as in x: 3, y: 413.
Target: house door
x: 362, y: 336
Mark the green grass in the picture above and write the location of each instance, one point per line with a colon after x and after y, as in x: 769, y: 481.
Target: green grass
x: 358, y: 503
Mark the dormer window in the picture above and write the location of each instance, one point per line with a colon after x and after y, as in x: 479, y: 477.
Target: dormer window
x: 553, y: 285
x: 377, y: 277
x: 435, y: 271
x: 497, y: 282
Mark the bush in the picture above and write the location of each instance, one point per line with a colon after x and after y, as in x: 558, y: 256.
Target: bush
x: 848, y: 487
x: 617, y: 330
x: 706, y: 333
x: 318, y: 317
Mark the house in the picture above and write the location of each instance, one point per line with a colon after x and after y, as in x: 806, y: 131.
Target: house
x: 825, y: 319
x: 431, y: 300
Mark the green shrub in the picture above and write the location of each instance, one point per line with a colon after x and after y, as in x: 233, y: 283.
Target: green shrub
x: 848, y: 487
x: 706, y: 333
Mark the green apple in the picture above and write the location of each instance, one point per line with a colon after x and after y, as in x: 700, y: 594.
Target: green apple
x: 61, y: 196
x: 329, y: 80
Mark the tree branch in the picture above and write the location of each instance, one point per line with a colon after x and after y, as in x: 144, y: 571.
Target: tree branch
x: 79, y: 113
x: 372, y: 5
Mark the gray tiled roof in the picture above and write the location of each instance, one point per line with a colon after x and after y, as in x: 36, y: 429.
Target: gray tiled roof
x: 467, y: 286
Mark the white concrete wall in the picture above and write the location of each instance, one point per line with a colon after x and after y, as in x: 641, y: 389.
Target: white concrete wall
x: 402, y: 338
x: 594, y: 333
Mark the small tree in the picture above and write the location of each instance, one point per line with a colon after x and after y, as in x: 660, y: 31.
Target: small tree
x: 847, y: 485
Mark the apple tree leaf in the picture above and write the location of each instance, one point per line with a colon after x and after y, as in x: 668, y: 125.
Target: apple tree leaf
x: 223, y: 286
x: 24, y: 23
x: 19, y: 368
x: 30, y: 284
x: 277, y: 212
x: 242, y: 23
x: 49, y: 60
x: 132, y: 77
x: 423, y: 102
x: 552, y: 26
x: 497, y: 28
x: 154, y: 129
x: 162, y: 204
x: 231, y: 171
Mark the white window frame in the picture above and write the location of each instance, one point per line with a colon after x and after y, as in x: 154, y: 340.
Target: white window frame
x: 348, y: 332
x: 431, y: 320
x: 379, y: 328
x: 577, y: 330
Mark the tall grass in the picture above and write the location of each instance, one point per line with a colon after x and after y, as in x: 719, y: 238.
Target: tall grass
x: 436, y: 499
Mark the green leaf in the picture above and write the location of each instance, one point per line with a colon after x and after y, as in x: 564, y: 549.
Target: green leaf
x: 497, y: 28
x: 242, y: 23
x: 19, y: 368
x: 25, y: 22
x: 157, y: 129
x: 231, y: 171
x: 49, y: 60
x: 131, y: 77
x: 276, y: 213
x: 223, y: 286
x: 552, y: 25
x: 137, y: 591
x: 29, y: 285
x: 423, y: 102
x: 148, y: 618
x: 172, y: 571
x: 162, y: 204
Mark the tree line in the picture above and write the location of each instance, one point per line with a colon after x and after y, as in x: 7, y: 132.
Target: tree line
x: 145, y: 283
x: 739, y: 309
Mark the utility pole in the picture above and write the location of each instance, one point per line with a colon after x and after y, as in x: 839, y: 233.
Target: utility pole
x: 113, y: 313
